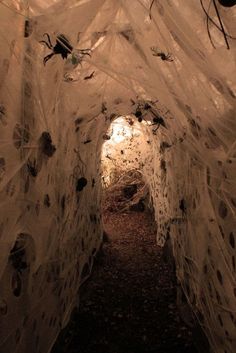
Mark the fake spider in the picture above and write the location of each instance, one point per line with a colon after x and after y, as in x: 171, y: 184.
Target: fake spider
x: 32, y: 167
x: 163, y: 56
x: 183, y: 206
x: 79, y: 170
x: 62, y: 47
x: 18, y: 257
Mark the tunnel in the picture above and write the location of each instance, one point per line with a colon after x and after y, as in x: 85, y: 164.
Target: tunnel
x: 92, y: 90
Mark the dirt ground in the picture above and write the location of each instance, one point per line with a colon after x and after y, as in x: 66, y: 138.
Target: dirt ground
x: 128, y: 305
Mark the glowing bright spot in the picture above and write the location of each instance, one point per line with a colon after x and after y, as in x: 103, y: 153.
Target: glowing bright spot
x: 123, y: 132
x: 120, y: 131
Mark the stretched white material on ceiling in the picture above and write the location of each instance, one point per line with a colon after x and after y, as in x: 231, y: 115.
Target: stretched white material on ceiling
x: 49, y: 228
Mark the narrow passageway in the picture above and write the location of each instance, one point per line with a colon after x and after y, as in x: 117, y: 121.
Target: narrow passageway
x: 129, y: 303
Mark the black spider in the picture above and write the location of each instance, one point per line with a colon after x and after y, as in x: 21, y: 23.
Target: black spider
x: 159, y: 120
x: 183, y: 206
x: 32, y: 167
x: 162, y: 55
x: 18, y: 257
x: 81, y: 183
x: 62, y: 47
x: 45, y: 143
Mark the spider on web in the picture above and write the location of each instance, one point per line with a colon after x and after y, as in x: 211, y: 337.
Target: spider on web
x: 162, y: 55
x: 64, y: 48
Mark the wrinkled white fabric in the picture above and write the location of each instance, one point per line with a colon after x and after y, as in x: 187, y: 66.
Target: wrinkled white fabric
x: 53, y: 119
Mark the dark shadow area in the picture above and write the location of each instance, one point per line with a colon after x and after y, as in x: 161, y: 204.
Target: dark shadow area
x: 129, y: 303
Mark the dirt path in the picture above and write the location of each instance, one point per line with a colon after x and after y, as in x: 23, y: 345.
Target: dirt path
x: 128, y: 305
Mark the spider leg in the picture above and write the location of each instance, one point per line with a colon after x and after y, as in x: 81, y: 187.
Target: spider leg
x: 47, y: 58
x: 155, y: 130
x: 168, y: 57
x: 49, y: 39
x: 43, y: 41
x: 87, y: 54
x: 85, y: 51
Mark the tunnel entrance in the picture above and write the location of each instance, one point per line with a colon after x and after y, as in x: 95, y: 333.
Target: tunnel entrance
x: 126, y: 148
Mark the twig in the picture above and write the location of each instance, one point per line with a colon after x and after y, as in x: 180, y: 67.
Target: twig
x: 208, y: 29
x: 220, y: 28
x: 221, y: 24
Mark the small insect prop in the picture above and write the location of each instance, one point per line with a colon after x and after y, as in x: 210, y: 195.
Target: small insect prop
x: 64, y: 48
x: 81, y: 183
x: 162, y: 55
x: 142, y: 109
x: 183, y: 206
x: 78, y: 174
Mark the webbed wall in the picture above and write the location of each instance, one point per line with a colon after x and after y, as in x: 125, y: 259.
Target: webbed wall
x: 53, y: 119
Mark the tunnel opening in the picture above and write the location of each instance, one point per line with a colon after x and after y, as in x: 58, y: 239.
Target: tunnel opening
x: 126, y: 147
x: 125, y: 154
